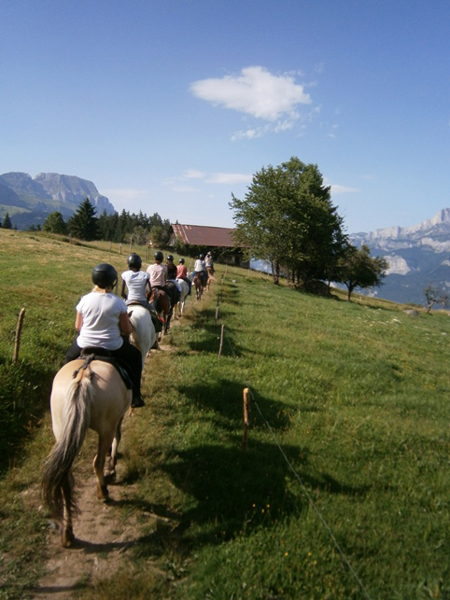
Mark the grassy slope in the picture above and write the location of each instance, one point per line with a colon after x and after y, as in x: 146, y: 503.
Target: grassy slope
x: 355, y: 394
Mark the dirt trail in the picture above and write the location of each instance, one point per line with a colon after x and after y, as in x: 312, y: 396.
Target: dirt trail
x: 104, y: 541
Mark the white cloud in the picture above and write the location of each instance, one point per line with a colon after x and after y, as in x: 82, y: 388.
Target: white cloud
x: 230, y: 178
x: 342, y: 189
x: 194, y: 174
x: 183, y: 189
x: 255, y: 92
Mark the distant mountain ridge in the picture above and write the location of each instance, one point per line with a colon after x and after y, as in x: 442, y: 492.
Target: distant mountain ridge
x: 29, y: 201
x: 418, y: 256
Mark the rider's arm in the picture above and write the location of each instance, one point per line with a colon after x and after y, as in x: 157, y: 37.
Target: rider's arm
x: 122, y: 293
x: 124, y: 323
x: 78, y: 322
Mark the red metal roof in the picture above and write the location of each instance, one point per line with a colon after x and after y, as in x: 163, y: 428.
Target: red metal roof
x: 199, y: 235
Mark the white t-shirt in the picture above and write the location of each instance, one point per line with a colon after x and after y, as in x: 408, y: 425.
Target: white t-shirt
x: 101, y: 313
x: 158, y: 274
x: 136, y: 282
x: 199, y: 265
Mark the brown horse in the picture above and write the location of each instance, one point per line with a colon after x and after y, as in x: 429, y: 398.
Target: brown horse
x: 86, y: 393
x: 199, y: 284
x: 161, y: 301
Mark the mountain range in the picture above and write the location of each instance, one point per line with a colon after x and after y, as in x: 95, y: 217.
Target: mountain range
x: 418, y: 256
x: 29, y: 201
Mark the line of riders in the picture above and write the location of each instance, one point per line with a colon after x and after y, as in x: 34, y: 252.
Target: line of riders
x: 102, y: 319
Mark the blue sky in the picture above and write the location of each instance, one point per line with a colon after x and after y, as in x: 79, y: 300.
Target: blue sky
x: 171, y: 106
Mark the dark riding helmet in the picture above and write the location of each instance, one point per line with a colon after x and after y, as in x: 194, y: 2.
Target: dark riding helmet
x: 169, y: 257
x: 181, y: 261
x: 134, y: 261
x: 201, y: 257
x: 104, y: 276
x: 159, y: 256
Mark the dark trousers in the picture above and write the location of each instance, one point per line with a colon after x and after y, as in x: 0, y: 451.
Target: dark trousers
x: 127, y: 353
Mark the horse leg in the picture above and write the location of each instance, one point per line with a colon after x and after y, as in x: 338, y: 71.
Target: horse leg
x: 104, y: 443
x: 67, y: 536
x: 111, y: 470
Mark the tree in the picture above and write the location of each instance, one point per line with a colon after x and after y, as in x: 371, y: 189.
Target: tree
x: 55, y: 223
x: 83, y: 224
x: 287, y: 218
x: 7, y: 222
x: 434, y: 296
x: 356, y: 268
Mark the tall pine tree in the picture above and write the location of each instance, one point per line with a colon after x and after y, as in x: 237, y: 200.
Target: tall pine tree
x: 84, y: 224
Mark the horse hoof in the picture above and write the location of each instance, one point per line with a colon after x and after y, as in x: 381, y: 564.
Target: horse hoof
x: 67, y: 538
x: 102, y: 493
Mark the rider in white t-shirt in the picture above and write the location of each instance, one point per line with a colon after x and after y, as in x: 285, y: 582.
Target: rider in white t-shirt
x: 135, y: 283
x: 102, y: 323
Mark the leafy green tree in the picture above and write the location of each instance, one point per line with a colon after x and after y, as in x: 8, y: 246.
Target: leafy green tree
x: 287, y: 218
x: 84, y: 224
x: 55, y: 223
x: 356, y: 268
x: 7, y: 222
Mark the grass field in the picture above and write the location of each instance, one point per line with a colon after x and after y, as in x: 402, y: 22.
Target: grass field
x: 343, y: 491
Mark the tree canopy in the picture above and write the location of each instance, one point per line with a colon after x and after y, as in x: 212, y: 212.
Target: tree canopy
x: 288, y: 219
x: 356, y: 268
x: 55, y: 223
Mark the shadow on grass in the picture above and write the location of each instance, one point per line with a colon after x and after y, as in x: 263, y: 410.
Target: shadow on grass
x: 225, y: 397
x: 234, y: 489
x: 231, y: 488
x: 24, y: 399
x: 210, y: 341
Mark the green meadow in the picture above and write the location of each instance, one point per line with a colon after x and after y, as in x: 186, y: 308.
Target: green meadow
x: 343, y: 490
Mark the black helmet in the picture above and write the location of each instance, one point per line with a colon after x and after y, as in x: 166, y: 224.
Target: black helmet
x: 159, y: 256
x: 134, y: 261
x: 181, y: 261
x: 169, y: 257
x: 104, y: 275
x: 201, y: 257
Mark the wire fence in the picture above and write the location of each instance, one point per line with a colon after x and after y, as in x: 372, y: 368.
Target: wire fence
x: 248, y: 394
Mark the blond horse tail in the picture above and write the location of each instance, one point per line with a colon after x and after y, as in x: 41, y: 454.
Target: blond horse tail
x: 57, y: 482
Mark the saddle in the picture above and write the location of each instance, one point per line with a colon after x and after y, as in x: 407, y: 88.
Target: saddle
x: 90, y: 354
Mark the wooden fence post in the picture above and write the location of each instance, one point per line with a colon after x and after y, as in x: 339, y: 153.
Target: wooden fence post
x: 221, y: 340
x: 18, y: 334
x: 246, y: 419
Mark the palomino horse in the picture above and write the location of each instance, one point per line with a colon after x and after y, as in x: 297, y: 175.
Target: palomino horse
x: 144, y: 335
x: 198, y: 283
x: 86, y: 393
x: 183, y: 294
x: 161, y: 302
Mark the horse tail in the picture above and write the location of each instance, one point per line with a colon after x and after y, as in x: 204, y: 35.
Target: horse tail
x: 58, y: 482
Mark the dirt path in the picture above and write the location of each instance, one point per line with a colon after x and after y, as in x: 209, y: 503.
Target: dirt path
x: 104, y: 540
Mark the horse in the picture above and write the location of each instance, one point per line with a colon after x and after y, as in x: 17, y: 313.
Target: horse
x: 183, y: 294
x: 161, y: 302
x: 86, y: 393
x: 198, y: 283
x: 144, y: 335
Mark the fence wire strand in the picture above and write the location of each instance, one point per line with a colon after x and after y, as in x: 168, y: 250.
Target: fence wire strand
x: 303, y: 487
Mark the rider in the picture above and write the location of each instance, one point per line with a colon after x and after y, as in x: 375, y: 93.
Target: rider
x: 172, y: 283
x: 182, y: 273
x: 158, y: 272
x: 102, y: 322
x: 136, y: 282
x: 200, y: 267
x: 209, y: 265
